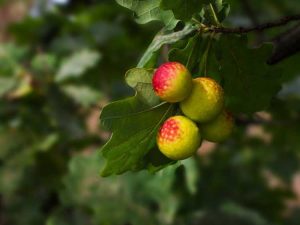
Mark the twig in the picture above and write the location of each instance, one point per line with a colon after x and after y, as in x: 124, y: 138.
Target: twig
x: 286, y: 44
x: 261, y: 27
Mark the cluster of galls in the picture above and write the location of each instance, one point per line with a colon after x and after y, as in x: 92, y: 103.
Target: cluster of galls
x: 201, y: 100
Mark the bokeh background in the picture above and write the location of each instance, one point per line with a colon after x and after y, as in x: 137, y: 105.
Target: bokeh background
x: 61, y: 61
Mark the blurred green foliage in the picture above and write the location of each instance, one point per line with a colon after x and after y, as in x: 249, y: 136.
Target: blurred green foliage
x: 56, y: 73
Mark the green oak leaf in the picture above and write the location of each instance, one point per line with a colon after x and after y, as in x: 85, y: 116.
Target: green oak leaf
x: 146, y: 11
x: 222, y: 9
x: 134, y: 122
x: 155, y: 161
x: 134, y: 125
x: 190, y: 54
x: 214, y: 10
x: 249, y: 83
x: 183, y: 9
x: 291, y: 67
x: 162, y: 38
x: 198, y: 56
x: 209, y: 65
x: 141, y: 81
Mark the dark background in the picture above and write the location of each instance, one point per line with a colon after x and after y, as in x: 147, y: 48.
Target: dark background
x: 62, y: 61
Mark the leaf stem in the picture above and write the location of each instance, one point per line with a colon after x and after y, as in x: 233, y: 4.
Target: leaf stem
x: 211, y: 15
x: 206, y: 54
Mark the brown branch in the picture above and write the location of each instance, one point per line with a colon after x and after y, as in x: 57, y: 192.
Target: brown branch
x: 261, y: 27
x: 286, y: 45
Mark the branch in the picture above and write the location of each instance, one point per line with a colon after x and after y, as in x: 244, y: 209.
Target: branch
x: 286, y: 45
x: 242, y: 30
